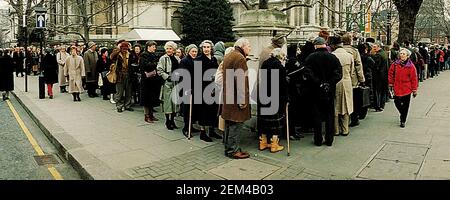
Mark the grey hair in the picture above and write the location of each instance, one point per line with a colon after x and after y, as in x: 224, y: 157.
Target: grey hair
x: 241, y: 42
x: 406, y: 51
x: 278, y: 54
x: 170, y: 44
x: 228, y: 50
x: 209, y: 42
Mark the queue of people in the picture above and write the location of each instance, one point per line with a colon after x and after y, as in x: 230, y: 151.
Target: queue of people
x: 326, y: 80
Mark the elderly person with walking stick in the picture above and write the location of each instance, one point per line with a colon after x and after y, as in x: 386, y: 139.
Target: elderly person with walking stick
x: 271, y: 115
x: 403, y: 80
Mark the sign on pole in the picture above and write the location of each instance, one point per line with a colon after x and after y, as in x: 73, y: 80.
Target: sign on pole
x: 369, y: 22
x: 40, y: 20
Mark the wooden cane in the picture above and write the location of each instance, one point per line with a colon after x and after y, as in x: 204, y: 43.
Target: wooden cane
x: 287, y: 130
x: 190, y: 116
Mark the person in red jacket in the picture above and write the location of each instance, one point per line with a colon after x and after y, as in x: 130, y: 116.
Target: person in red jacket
x: 403, y: 80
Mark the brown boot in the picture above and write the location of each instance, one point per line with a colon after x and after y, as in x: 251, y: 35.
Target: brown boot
x: 263, y: 142
x: 275, y: 146
x: 148, y: 119
x: 152, y: 117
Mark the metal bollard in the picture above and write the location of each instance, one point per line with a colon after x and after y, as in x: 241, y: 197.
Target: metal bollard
x: 41, y: 86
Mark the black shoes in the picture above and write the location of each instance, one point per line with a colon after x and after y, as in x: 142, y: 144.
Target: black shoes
x: 129, y: 109
x: 173, y: 124
x: 169, y: 125
x: 204, y: 137
x: 185, y: 132
x: 214, y: 135
x: 353, y: 124
x: 119, y: 110
x: 402, y: 124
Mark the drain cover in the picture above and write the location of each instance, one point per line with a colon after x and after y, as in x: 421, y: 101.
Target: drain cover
x: 46, y: 160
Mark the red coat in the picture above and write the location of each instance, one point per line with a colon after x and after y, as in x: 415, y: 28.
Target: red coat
x: 405, y: 81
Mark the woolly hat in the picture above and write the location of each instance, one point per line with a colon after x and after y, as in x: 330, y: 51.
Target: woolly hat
x: 190, y: 47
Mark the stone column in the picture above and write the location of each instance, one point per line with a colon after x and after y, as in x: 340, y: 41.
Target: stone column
x: 336, y: 15
x: 312, y: 15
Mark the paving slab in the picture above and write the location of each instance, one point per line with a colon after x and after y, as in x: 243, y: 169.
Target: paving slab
x: 247, y: 169
x: 380, y: 169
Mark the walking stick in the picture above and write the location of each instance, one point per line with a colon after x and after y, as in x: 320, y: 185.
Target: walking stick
x: 287, y: 130
x: 190, y: 116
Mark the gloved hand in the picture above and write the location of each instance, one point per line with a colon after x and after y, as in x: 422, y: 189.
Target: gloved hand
x: 414, y: 94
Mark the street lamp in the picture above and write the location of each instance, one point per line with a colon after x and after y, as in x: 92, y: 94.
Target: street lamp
x: 388, y: 32
x: 24, y: 25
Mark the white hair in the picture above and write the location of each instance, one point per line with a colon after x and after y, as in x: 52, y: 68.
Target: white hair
x: 228, y: 50
x: 170, y: 44
x: 406, y: 51
x: 241, y: 42
x: 278, y: 53
x: 209, y: 42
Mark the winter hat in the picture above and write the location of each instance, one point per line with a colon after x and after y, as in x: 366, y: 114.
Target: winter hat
x: 124, y: 45
x: 279, y: 41
x: 190, y: 47
x: 90, y: 44
x: 335, y: 40
x: 319, y: 41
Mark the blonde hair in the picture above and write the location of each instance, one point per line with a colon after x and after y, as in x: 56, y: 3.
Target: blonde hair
x: 170, y: 44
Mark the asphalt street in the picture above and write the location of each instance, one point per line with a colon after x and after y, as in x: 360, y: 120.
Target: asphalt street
x: 19, y: 151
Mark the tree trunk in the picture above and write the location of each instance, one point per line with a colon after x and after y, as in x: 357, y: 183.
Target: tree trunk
x: 407, y: 11
x: 407, y: 23
x: 263, y: 4
x: 86, y: 29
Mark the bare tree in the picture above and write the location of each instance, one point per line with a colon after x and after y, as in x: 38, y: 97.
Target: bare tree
x: 24, y: 8
x: 85, y: 13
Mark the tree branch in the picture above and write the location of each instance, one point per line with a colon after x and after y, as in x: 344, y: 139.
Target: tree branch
x: 296, y: 5
x: 245, y: 3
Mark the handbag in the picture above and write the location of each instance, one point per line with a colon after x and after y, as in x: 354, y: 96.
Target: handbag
x: 365, y: 92
x: 100, y: 80
x: 111, y: 75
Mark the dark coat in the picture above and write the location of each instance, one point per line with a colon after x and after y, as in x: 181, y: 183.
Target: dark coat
x: 368, y: 63
x: 18, y: 61
x: 272, y: 123
x: 231, y: 111
x: 299, y: 105
x: 187, y: 63
x: 50, y: 68
x: 150, y: 87
x: 6, y: 74
x: 208, y: 116
x: 380, y: 71
x: 90, y: 63
x: 103, y: 67
x: 323, y: 67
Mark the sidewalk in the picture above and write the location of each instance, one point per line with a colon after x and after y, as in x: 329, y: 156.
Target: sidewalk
x: 103, y: 144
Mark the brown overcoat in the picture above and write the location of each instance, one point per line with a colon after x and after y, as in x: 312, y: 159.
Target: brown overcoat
x: 231, y: 111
